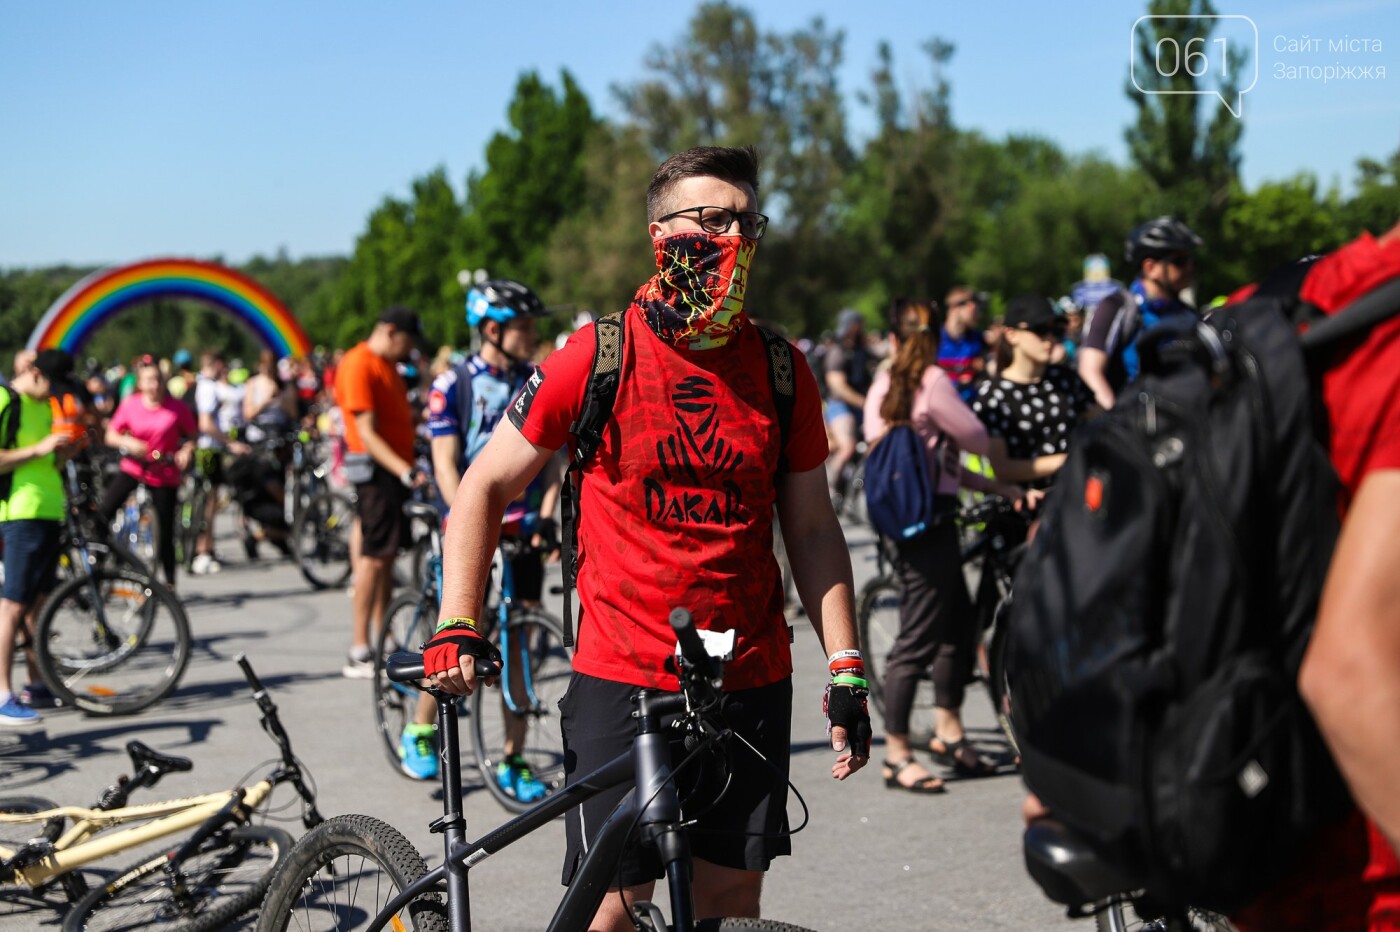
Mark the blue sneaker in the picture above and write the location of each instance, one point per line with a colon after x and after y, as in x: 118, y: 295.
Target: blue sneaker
x: 15, y: 714
x: 513, y: 775
x: 418, y: 751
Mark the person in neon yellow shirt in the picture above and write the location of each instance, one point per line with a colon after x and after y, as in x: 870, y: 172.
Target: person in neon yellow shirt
x: 31, y: 517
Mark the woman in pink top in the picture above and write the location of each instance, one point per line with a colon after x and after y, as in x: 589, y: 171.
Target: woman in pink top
x: 155, y: 434
x: 937, y: 626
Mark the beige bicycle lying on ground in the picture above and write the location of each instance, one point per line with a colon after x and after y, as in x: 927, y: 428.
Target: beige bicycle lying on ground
x: 219, y: 871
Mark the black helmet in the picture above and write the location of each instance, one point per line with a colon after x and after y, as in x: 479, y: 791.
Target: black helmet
x: 501, y: 299
x: 1162, y: 236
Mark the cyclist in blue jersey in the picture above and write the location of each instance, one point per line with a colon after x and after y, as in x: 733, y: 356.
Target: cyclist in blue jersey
x: 1163, y: 252
x: 464, y: 406
x: 962, y: 346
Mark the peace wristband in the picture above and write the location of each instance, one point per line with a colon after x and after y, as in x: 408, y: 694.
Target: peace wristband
x: 842, y: 655
x: 449, y: 622
x: 846, y: 679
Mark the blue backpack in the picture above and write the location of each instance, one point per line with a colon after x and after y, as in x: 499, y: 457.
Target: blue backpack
x: 898, y: 487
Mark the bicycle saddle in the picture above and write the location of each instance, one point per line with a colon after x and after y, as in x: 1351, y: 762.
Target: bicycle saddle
x: 415, y: 509
x: 1066, y: 868
x: 143, y: 757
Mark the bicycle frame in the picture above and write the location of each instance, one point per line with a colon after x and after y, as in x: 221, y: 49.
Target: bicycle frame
x: 73, y: 849
x: 655, y: 811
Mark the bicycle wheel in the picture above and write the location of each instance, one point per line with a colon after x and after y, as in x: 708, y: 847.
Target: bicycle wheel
x: 747, y: 925
x: 15, y: 834
x: 342, y: 873
x: 112, y: 642
x: 408, y: 622
x: 321, y: 540
x: 223, y: 878
x: 100, y: 554
x: 191, y: 520
x: 538, y: 668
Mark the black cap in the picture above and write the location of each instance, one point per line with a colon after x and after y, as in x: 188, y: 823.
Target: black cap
x: 403, y: 319
x: 56, y: 366
x: 1029, y: 311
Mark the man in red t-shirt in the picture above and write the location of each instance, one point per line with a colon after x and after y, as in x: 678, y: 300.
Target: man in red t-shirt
x: 676, y: 510
x: 379, y: 460
x: 1350, y: 676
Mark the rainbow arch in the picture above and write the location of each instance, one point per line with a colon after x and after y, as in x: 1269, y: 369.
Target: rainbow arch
x: 71, y: 320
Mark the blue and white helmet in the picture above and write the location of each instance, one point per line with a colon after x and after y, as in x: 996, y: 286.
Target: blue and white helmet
x: 503, y: 300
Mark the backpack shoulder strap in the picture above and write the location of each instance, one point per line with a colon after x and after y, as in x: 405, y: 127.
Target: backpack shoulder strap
x: 599, y: 397
x: 781, y: 380
x: 1377, y: 305
x: 9, y: 435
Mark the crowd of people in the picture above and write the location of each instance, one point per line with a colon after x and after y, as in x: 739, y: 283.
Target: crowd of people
x: 692, y: 423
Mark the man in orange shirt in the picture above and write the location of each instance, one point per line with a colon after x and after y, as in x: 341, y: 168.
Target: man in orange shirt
x: 379, y: 460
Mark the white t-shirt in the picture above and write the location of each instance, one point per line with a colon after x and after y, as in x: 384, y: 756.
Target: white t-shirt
x: 224, y: 402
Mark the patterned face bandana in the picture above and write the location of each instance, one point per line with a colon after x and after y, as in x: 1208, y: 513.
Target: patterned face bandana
x: 696, y: 300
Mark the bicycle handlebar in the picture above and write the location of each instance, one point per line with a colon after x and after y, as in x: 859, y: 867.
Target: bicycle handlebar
x: 405, y: 667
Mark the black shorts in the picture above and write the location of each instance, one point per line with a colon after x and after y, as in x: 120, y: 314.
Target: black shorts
x: 596, y: 718
x: 31, y: 554
x: 379, y: 504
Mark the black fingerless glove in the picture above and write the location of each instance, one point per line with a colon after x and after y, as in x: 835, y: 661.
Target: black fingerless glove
x: 445, y: 649
x: 845, y: 706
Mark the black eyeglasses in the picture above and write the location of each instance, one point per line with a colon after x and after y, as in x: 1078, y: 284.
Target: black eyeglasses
x: 719, y: 219
x: 1055, y: 331
x: 1180, y: 260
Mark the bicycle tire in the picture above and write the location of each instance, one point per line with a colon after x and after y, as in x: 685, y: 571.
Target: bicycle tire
x: 408, y: 622
x: 321, y: 538
x: 877, y: 626
x: 540, y: 636
x: 192, y: 518
x: 342, y: 843
x: 225, y: 877
x: 15, y: 835
x: 747, y: 925
x: 100, y: 554
x: 137, y: 661
x: 1120, y: 916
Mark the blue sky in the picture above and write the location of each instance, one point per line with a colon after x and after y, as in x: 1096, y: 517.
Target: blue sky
x: 138, y: 128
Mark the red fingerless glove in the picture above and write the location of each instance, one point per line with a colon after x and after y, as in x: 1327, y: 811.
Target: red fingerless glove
x: 445, y: 649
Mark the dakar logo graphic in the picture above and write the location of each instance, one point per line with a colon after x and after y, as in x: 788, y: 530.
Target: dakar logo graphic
x: 692, y: 455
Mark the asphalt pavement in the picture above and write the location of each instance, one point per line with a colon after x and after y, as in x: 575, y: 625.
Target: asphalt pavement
x: 869, y: 856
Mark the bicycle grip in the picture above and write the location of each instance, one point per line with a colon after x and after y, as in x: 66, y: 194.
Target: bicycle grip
x: 248, y: 674
x: 692, y: 648
x: 404, y: 667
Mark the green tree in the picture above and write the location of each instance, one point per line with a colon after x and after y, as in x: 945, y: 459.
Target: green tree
x: 533, y: 180
x: 1376, y: 204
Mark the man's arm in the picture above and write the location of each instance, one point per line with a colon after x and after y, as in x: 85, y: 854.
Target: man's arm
x: 497, y: 477
x: 1093, y: 370
x: 10, y: 460
x: 377, y: 447
x: 445, y: 452
x: 1351, y: 674
x: 821, y: 572
x: 839, y: 388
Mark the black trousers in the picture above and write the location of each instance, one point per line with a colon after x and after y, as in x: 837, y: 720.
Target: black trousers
x: 119, y: 488
x: 937, y: 626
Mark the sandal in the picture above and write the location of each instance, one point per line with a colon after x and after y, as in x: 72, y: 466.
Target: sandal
x: 926, y: 787
x: 962, y: 757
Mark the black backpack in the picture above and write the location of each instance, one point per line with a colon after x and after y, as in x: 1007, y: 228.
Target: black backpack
x: 604, y: 379
x: 1162, y: 611
x: 9, y: 437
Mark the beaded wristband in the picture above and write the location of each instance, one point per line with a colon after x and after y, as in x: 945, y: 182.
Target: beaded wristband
x: 449, y: 622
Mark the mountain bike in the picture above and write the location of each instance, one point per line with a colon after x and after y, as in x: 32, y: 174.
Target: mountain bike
x: 1071, y: 873
x: 218, y: 872
x: 377, y: 873
x: 321, y: 539
x: 536, y: 669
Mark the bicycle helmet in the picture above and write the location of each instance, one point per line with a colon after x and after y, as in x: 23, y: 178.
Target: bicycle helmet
x: 503, y: 300
x: 1162, y: 236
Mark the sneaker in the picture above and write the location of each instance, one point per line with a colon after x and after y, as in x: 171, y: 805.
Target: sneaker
x: 360, y: 664
x: 38, y: 696
x: 513, y: 775
x: 205, y: 564
x: 418, y: 751
x: 15, y: 714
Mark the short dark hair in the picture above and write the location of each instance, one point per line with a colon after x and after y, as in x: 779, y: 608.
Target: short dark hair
x: 736, y: 165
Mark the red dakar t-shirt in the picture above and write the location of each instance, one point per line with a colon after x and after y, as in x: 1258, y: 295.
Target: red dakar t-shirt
x: 677, y: 504
x: 1351, y: 871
